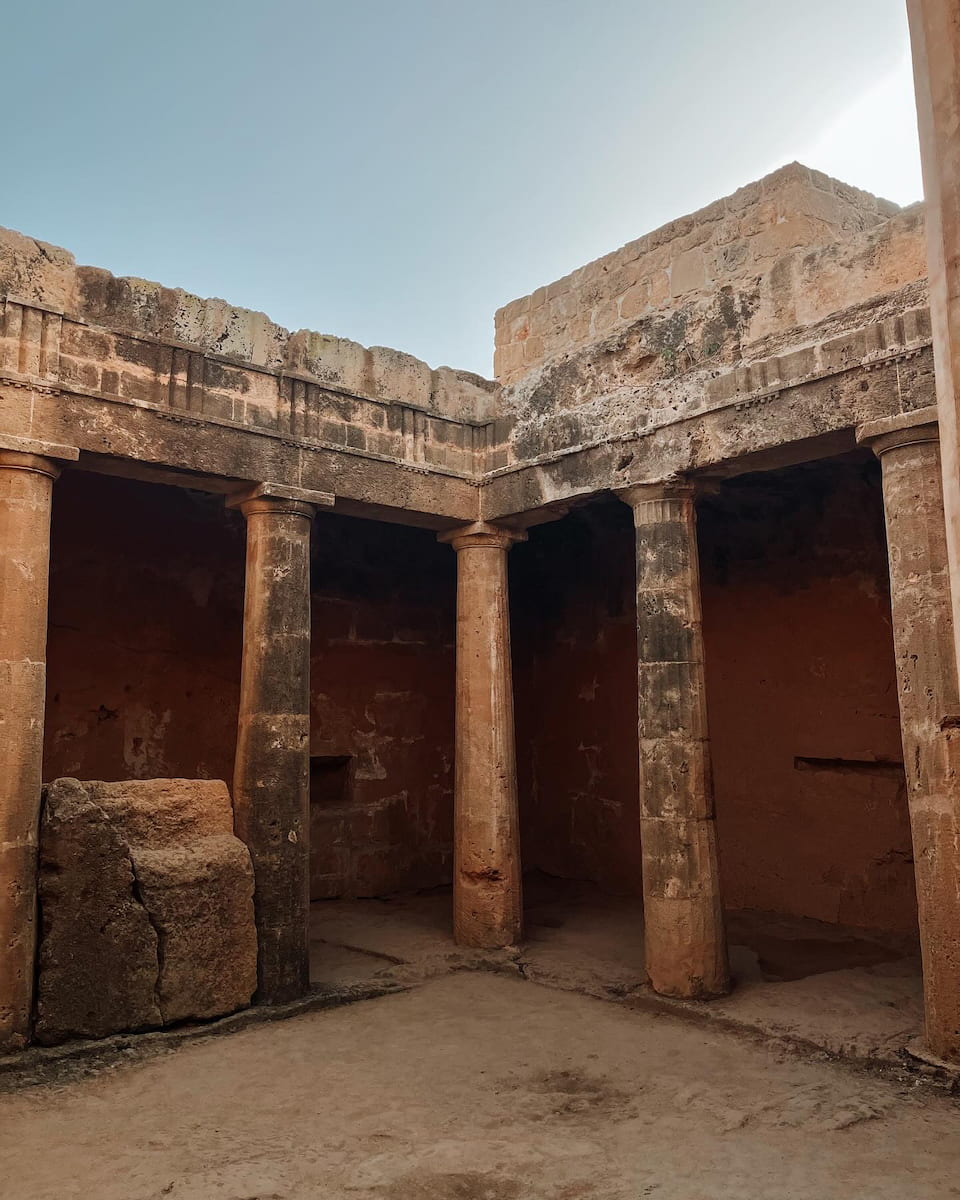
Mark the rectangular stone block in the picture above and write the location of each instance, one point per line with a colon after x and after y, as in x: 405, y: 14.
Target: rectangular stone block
x: 200, y: 900
x: 147, y: 903
x: 98, y: 956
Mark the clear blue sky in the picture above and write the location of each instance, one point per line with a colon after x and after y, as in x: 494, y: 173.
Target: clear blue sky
x: 395, y: 170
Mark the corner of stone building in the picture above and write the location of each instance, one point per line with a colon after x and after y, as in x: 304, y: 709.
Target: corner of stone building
x: 736, y: 247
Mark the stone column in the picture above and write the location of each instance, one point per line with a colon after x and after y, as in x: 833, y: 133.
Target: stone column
x: 908, y: 450
x: 686, y: 949
x: 935, y: 37
x: 26, y: 492
x: 272, y: 768
x: 487, y: 893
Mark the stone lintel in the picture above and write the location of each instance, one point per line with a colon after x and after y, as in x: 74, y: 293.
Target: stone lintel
x: 904, y: 429
x: 483, y: 533
x: 539, y: 516
x: 40, y: 449
x: 280, y: 491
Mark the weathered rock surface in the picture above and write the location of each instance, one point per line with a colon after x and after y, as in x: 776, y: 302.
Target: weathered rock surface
x: 200, y: 900
x: 98, y: 949
x: 147, y: 907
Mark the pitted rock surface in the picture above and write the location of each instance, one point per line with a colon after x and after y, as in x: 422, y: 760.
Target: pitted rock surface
x: 147, y: 907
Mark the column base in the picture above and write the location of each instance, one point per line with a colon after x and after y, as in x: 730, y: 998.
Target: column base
x: 685, y: 939
x: 685, y: 958
x: 487, y: 912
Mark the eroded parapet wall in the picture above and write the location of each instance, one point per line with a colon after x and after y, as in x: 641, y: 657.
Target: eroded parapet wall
x: 48, y: 277
x: 93, y: 337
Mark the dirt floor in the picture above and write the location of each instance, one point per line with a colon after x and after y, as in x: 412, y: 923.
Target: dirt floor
x: 478, y: 1086
x: 550, y: 1071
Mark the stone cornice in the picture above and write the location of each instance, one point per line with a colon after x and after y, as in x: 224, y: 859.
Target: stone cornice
x: 198, y: 391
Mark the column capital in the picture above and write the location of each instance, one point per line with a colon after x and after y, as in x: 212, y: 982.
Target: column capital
x: 905, y: 429
x: 677, y: 488
x: 279, y: 498
x: 30, y: 454
x: 482, y: 534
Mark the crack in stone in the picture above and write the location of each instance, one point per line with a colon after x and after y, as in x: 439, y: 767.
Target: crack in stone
x: 390, y: 958
x: 141, y: 900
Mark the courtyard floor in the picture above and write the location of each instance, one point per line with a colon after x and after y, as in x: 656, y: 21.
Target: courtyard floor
x: 551, y: 1071
x: 479, y: 1086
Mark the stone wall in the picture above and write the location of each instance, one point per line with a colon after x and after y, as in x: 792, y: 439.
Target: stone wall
x: 144, y: 664
x: 799, y: 279
x: 755, y: 250
x: 585, y: 425
x: 302, y: 398
x: 144, y: 640
x: 574, y: 627
x: 382, y: 693
x: 793, y: 281
x: 802, y: 697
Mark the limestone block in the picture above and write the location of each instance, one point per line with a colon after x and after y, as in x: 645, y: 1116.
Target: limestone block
x: 221, y: 328
x: 463, y: 394
x: 200, y: 900
x: 739, y: 241
x: 635, y: 301
x: 196, y: 881
x: 508, y: 360
x: 400, y: 377
x: 338, y: 362
x: 98, y: 949
x: 155, y: 812
x: 147, y: 907
x: 35, y: 271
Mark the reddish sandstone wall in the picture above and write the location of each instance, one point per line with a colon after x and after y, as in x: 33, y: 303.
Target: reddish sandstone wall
x: 144, y: 665
x: 575, y: 662
x: 801, y: 689
x: 383, y: 667
x: 802, y: 697
x: 146, y: 602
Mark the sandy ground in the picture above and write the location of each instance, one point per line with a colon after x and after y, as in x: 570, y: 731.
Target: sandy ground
x: 477, y: 1086
x: 813, y: 983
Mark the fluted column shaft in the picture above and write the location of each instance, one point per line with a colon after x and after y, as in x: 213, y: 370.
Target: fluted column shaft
x: 686, y: 949
x: 920, y: 602
x: 487, y: 893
